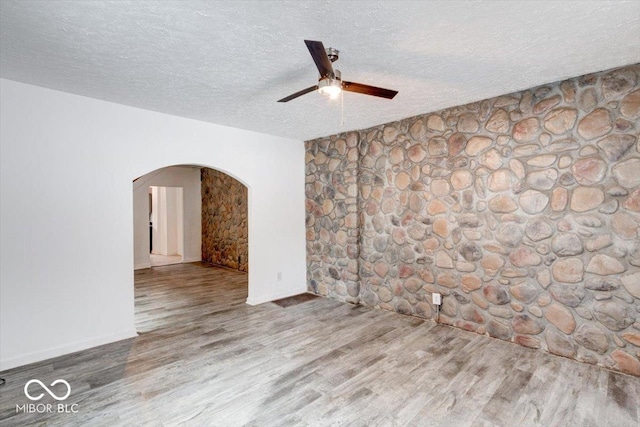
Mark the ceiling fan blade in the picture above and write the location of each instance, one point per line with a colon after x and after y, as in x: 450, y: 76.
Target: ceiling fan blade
x: 319, y: 55
x: 297, y: 94
x: 369, y: 90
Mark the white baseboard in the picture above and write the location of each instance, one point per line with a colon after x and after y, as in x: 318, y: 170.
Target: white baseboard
x: 267, y: 298
x: 194, y: 259
x: 49, y: 353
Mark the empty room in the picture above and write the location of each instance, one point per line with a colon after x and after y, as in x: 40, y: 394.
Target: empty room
x: 319, y: 213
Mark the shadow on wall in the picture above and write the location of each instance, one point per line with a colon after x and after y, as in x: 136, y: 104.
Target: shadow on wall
x: 225, y: 232
x: 523, y: 211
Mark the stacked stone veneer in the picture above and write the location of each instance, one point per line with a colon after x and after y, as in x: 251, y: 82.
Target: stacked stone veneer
x: 523, y: 211
x: 225, y: 229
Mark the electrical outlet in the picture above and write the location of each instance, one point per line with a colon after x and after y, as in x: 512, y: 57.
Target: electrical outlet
x: 279, y: 276
x: 436, y: 299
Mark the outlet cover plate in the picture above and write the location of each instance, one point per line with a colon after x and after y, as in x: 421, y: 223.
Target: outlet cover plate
x: 436, y: 298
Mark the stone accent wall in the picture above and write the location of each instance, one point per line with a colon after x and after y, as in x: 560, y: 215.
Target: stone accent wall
x: 333, y: 225
x: 225, y: 232
x: 523, y: 211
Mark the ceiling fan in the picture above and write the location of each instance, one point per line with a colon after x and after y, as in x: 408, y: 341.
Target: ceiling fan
x: 330, y: 82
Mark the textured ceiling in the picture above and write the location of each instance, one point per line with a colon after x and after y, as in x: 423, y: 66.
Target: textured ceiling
x: 228, y: 62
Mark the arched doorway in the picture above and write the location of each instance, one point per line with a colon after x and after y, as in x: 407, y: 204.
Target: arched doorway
x: 214, y: 226
x: 209, y: 218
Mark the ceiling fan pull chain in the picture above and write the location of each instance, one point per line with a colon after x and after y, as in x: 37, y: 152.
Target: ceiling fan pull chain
x: 342, y: 109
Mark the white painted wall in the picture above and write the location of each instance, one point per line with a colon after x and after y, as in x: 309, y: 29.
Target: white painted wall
x: 173, y: 209
x: 188, y: 178
x: 158, y: 238
x: 170, y: 210
x: 66, y: 256
x: 180, y: 224
x: 166, y: 220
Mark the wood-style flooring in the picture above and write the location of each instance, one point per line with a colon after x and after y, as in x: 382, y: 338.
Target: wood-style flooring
x: 205, y: 358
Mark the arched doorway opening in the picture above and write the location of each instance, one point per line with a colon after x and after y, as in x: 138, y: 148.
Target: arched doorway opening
x: 190, y: 214
x: 194, y: 212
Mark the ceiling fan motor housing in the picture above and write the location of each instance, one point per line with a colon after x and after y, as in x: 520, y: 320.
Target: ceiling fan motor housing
x: 336, y: 76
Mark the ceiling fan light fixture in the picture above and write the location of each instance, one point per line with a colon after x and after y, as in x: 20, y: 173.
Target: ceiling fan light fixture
x: 330, y: 88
